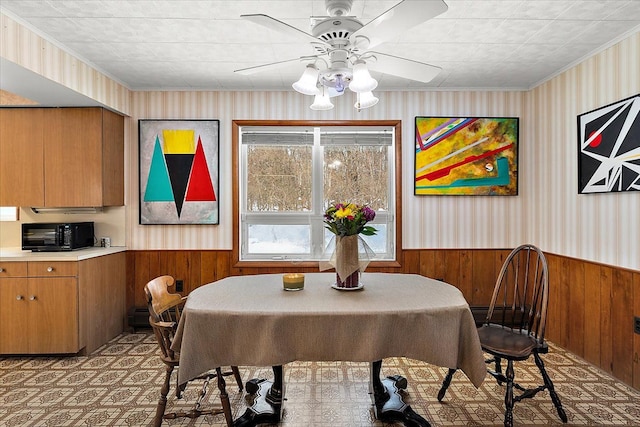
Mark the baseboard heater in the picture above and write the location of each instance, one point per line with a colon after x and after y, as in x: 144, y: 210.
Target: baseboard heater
x: 138, y: 318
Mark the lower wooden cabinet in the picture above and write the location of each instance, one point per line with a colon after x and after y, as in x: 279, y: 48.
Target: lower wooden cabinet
x: 61, y: 307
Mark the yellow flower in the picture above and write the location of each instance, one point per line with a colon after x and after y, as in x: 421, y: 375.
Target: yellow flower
x: 344, y: 212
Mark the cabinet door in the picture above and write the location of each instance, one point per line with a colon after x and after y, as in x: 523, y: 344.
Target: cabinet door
x: 21, y: 157
x: 53, y: 315
x: 73, y: 157
x: 112, y: 159
x: 13, y: 316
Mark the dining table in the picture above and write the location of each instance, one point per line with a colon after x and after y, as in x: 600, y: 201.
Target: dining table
x: 252, y: 320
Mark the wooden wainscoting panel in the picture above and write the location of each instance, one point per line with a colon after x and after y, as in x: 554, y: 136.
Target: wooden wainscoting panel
x: 576, y: 303
x: 451, y: 273
x: 592, y: 313
x: 622, y: 331
x: 483, y: 276
x: 636, y: 337
x: 223, y: 264
x: 141, y: 277
x: 606, y: 336
x: 465, y: 274
x: 591, y: 305
x: 427, y: 261
x: 553, y: 310
x: 411, y: 262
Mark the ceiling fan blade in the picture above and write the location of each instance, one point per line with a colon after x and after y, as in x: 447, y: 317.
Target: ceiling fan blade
x: 402, y: 67
x: 274, y: 24
x: 398, y: 19
x: 267, y: 67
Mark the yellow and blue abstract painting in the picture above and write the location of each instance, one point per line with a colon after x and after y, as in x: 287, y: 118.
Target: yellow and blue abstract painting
x: 466, y: 156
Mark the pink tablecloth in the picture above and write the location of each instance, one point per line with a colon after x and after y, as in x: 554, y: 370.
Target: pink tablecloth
x: 252, y: 321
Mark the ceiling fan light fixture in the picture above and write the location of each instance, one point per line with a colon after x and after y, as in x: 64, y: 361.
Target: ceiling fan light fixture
x: 307, y: 84
x: 321, y: 102
x: 365, y: 100
x: 362, y: 80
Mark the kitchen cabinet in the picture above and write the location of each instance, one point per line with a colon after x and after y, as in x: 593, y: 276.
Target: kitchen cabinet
x: 72, y: 157
x: 21, y: 159
x: 49, y: 307
x: 40, y: 310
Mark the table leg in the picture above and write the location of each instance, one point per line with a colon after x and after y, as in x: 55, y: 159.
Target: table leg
x: 387, y: 399
x: 266, y: 407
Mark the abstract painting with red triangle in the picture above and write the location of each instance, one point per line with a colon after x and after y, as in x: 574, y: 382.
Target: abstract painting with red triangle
x: 179, y: 162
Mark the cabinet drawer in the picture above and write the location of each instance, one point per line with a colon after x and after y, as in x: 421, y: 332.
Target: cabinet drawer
x: 52, y: 268
x: 13, y: 269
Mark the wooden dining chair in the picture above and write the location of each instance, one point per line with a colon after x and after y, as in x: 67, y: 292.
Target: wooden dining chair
x: 164, y: 315
x: 515, y: 325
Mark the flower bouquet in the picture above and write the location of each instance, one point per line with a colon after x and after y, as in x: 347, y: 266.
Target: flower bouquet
x: 347, y: 221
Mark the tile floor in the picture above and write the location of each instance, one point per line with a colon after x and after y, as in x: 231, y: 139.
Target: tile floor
x: 118, y: 385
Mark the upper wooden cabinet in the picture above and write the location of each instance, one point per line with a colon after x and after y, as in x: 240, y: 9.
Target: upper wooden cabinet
x: 21, y: 159
x: 72, y: 157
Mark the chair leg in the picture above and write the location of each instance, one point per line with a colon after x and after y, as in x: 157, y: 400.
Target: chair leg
x: 236, y: 375
x: 224, y: 398
x: 162, y: 402
x: 508, y: 397
x: 498, y: 368
x: 445, y: 384
x: 549, y: 384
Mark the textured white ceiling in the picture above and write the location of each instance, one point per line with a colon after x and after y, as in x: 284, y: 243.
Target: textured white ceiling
x: 193, y: 45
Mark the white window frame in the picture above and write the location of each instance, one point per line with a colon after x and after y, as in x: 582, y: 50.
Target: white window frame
x: 315, y: 218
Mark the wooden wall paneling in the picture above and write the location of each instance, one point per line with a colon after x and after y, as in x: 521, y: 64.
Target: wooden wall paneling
x: 606, y: 336
x: 183, y: 269
x: 553, y: 309
x: 164, y: 264
x: 576, y: 304
x: 411, y: 262
x: 636, y: 337
x: 451, y: 272
x: 131, y: 288
x: 208, y: 261
x: 622, y: 318
x: 439, y: 267
x: 427, y: 260
x: 465, y: 275
x: 222, y: 265
x: 564, y: 293
x: 141, y: 276
x: 483, y: 276
x: 592, y: 313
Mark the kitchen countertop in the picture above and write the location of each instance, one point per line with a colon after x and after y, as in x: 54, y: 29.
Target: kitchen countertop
x: 17, y: 254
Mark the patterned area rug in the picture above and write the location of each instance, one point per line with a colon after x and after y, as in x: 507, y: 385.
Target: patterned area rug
x: 119, y: 385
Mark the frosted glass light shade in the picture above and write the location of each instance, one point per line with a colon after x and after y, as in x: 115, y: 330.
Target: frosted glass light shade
x: 321, y: 102
x: 362, y: 80
x: 365, y: 100
x: 308, y: 81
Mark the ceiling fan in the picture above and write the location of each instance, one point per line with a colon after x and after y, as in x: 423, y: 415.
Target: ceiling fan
x: 343, y: 52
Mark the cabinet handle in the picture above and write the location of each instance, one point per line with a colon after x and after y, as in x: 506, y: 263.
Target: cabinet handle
x: 50, y: 269
x: 1, y: 270
x: 19, y: 297
x: 32, y: 298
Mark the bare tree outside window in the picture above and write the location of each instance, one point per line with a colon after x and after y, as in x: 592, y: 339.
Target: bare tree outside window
x: 290, y: 175
x: 279, y: 178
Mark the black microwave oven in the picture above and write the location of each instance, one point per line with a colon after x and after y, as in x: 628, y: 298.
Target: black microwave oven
x: 54, y: 237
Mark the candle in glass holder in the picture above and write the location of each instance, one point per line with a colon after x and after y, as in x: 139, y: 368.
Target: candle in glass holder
x: 293, y: 281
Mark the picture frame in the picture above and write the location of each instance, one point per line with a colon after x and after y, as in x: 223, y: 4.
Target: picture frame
x: 609, y: 148
x: 466, y: 156
x: 179, y: 170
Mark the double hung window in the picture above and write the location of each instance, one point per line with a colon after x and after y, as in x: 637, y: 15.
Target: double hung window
x: 289, y: 175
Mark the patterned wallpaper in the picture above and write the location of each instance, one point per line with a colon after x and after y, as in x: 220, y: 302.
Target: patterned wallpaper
x: 547, y: 212
x: 596, y: 227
